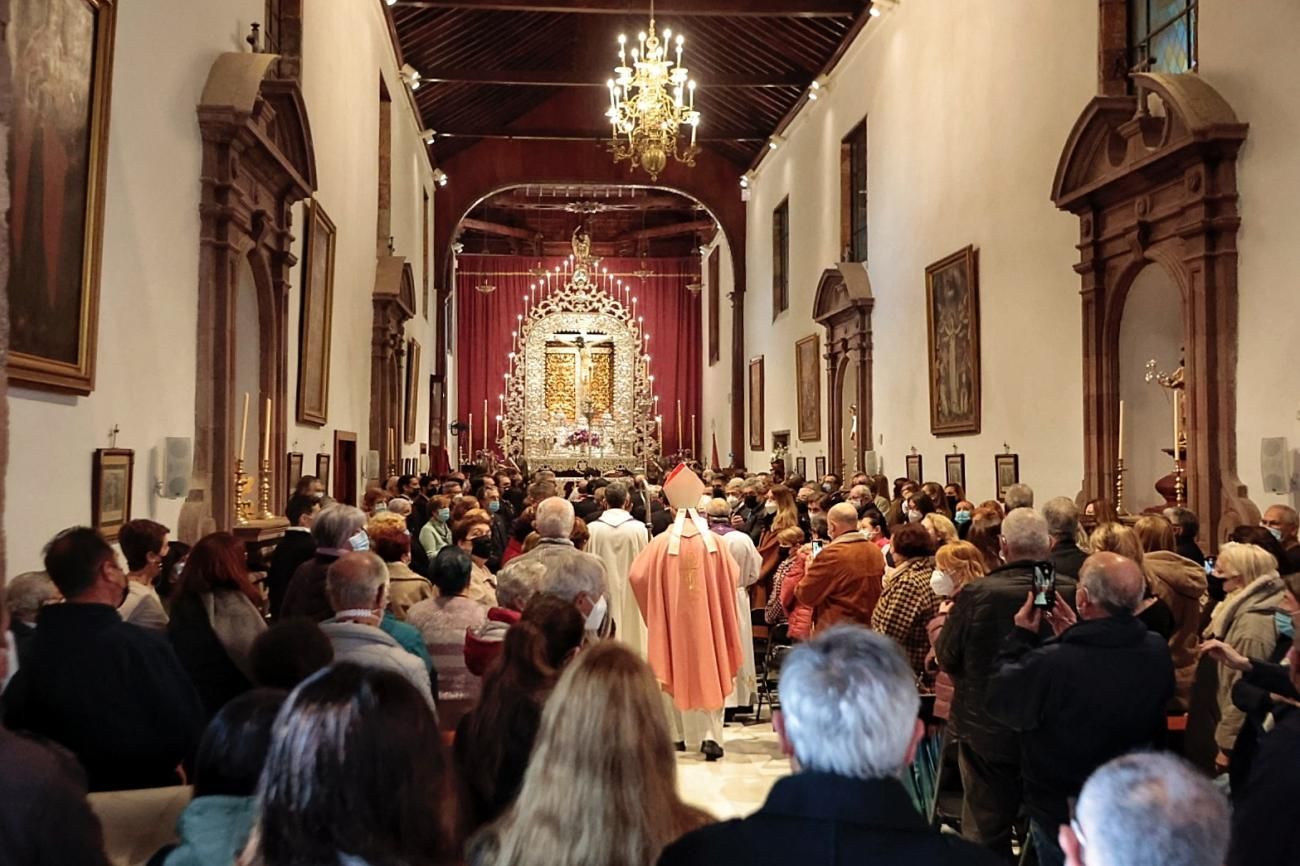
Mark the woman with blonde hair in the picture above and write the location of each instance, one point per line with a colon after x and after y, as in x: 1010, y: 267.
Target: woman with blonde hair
x: 1244, y: 621
x: 601, y: 786
x: 942, y: 530
x: 955, y: 565
x: 1180, y: 584
x: 1118, y: 538
x: 781, y: 513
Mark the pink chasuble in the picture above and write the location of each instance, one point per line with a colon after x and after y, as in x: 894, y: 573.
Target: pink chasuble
x: 688, y: 600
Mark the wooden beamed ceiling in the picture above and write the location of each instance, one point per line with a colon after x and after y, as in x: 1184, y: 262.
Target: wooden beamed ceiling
x: 535, y: 70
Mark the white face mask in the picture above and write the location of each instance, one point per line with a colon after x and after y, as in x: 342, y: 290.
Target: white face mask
x: 597, y: 615
x: 360, y: 541
x: 769, y: 507
x: 941, y: 583
x: 915, y: 517
x: 733, y: 501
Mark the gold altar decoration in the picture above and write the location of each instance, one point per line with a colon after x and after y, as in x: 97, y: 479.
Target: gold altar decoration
x: 579, y: 391
x: 650, y: 101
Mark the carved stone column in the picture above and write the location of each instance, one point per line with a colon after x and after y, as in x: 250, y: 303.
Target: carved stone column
x: 843, y: 306
x: 394, y: 304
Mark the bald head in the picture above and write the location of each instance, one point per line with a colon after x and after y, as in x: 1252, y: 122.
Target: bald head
x: 554, y: 518
x: 841, y: 518
x: 357, y: 581
x: 1114, y: 585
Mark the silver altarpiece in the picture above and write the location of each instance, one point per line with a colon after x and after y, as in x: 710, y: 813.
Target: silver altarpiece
x: 580, y: 392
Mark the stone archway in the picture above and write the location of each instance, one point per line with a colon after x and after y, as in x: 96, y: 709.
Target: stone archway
x: 843, y: 306
x: 1152, y: 178
x: 258, y: 162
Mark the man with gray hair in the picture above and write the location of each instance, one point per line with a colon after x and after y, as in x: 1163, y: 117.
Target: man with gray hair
x: 848, y: 722
x: 982, y: 614
x: 26, y: 595
x: 571, y: 574
x: 1148, y: 809
x: 1095, y: 691
x: 1062, y: 517
x: 1018, y: 496
x: 357, y: 587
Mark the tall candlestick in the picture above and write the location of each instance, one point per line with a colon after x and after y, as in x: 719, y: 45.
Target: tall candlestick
x: 486, y: 447
x: 266, y: 432
x: 679, y: 425
x: 1119, y: 450
x: 1177, y: 425
x: 243, y: 428
x: 693, y: 440
x: 392, y: 446
x: 471, y: 434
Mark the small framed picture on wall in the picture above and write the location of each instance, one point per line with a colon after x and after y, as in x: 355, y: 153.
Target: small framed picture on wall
x: 955, y: 470
x: 323, y: 471
x: 295, y: 469
x: 914, y: 472
x: 801, y: 467
x: 110, y: 490
x: 821, y: 467
x: 1006, y: 469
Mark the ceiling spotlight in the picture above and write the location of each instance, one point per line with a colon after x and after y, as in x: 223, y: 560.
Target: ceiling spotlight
x: 744, y: 181
x: 439, y: 177
x: 391, y: 2
x: 429, y: 135
x: 875, y: 10
x: 821, y: 84
x: 409, y: 76
x: 775, y: 141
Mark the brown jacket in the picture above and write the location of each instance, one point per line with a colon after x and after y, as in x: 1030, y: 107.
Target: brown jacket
x: 1180, y: 584
x: 843, y: 582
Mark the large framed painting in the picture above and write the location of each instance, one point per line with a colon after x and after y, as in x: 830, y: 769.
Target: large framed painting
x: 316, y: 317
x: 110, y: 490
x: 756, y: 403
x: 953, y: 327
x: 61, y: 52
x: 412, y: 403
x: 808, y: 381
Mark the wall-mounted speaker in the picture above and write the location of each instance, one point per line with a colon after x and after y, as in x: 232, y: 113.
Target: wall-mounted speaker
x: 177, y: 463
x: 1273, y: 456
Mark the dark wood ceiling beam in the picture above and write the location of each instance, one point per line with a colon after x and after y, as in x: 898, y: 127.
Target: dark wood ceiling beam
x: 595, y: 78
x: 500, y: 230
x: 679, y: 8
x: 669, y: 231
x: 517, y: 201
x: 583, y: 135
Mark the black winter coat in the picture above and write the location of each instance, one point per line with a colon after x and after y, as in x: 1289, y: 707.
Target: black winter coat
x: 967, y: 650
x: 291, y: 551
x: 1263, y: 831
x: 1096, y: 692
x: 820, y: 819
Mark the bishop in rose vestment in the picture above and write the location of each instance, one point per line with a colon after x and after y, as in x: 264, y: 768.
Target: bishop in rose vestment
x: 685, y: 584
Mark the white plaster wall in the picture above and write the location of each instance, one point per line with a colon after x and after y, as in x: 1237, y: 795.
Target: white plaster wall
x: 967, y: 113
x: 715, y: 393
x: 148, y: 300
x: 1247, y: 52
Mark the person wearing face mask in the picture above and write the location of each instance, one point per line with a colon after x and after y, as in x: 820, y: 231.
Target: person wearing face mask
x: 473, y: 534
x: 749, y: 514
x: 500, y: 528
x: 860, y: 498
x: 955, y: 566
x: 1283, y: 523
x: 779, y: 512
x: 908, y: 602
x: 337, y: 530
x: 113, y: 694
x: 961, y: 517
x: 144, y: 544
x: 436, y: 534
x: 917, y: 507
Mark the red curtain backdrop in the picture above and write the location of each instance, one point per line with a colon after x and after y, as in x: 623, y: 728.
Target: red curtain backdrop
x: 484, y: 323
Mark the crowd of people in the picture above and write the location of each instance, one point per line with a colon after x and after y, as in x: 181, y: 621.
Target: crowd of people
x: 492, y: 669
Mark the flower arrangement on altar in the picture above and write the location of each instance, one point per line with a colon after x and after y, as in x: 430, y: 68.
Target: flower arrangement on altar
x: 583, y: 437
x: 780, y: 453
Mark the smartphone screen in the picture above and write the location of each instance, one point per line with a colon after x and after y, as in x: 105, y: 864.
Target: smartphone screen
x: 1209, y: 566
x: 1044, y: 586
x: 816, y: 548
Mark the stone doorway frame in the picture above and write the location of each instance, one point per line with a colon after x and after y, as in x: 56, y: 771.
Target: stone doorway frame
x: 843, y: 305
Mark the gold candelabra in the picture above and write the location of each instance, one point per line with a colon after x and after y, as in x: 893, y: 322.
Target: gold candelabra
x: 243, y: 484
x: 264, y: 491
x: 1119, y: 487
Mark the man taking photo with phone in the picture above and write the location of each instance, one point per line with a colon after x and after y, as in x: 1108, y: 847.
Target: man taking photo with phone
x: 1095, y: 691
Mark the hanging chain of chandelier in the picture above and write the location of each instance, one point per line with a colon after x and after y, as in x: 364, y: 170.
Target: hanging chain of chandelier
x: 650, y: 102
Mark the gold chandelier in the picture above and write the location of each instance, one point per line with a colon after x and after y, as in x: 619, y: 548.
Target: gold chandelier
x: 650, y: 101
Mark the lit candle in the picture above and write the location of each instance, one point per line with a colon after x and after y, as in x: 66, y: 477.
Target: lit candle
x: 680, y: 40
x: 498, y: 426
x: 1120, y: 449
x: 690, y: 87
x: 243, y: 429
x: 266, y: 432
x: 392, y: 445
x: 1177, y: 425
x: 659, y: 420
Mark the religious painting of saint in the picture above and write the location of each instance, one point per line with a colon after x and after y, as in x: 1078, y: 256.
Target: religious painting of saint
x: 808, y: 378
x: 756, y: 403
x: 412, y: 392
x: 952, y: 319
x: 316, y: 317
x: 915, y: 472
x: 110, y: 490
x: 954, y: 466
x: 1006, y: 468
x: 62, y: 57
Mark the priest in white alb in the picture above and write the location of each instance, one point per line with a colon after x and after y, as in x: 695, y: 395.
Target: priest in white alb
x: 617, y: 537
x: 748, y: 563
x: 685, y: 584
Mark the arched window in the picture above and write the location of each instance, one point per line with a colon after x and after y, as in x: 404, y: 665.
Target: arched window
x: 1162, y: 35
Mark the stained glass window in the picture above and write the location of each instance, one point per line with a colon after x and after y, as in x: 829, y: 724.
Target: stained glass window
x: 1162, y: 35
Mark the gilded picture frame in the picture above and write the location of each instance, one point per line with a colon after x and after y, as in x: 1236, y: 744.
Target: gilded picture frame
x: 953, y: 338
x: 808, y: 383
x: 112, y: 474
x: 316, y: 314
x: 756, y: 403
x: 61, y: 53
x: 411, y: 405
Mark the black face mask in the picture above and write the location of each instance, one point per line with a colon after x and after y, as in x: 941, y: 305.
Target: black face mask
x: 952, y: 504
x: 482, y: 546
x: 1215, y: 588
x: 751, y: 501
x: 802, y: 506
